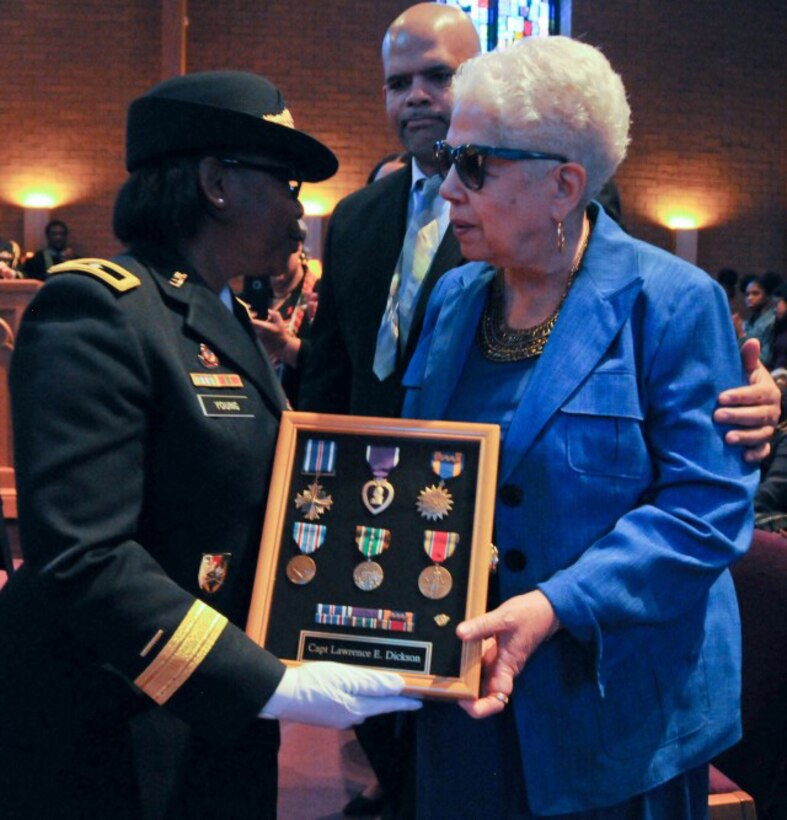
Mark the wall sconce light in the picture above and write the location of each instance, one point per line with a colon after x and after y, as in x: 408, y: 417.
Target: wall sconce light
x: 36, y: 215
x: 686, y: 227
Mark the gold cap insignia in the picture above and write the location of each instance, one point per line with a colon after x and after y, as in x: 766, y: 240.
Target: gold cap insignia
x: 282, y: 118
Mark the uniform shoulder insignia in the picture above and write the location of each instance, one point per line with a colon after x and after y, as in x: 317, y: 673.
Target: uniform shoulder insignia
x: 112, y: 274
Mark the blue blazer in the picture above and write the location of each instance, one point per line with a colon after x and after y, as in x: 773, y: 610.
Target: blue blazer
x: 631, y: 510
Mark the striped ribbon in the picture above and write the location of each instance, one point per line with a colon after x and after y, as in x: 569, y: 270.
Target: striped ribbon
x: 319, y: 458
x: 448, y: 465
x: 362, y: 618
x: 308, y: 537
x: 372, y: 540
x: 365, y: 612
x: 440, y: 545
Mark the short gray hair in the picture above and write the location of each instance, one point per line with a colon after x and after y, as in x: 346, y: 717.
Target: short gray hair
x: 552, y: 94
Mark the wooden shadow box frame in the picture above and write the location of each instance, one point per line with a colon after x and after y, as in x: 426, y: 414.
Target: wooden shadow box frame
x: 442, y: 467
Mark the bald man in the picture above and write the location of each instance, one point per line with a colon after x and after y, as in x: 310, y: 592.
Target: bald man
x: 421, y: 51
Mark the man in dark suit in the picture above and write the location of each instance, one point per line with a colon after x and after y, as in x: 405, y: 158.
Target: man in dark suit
x: 422, y: 49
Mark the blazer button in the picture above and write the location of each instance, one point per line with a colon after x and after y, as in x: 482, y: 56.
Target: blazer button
x: 515, y: 560
x: 511, y: 495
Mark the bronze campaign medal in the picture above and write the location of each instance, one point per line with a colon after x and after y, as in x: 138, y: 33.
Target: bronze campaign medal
x: 368, y: 575
x: 301, y: 569
x: 435, y: 582
x: 371, y: 541
x: 309, y: 538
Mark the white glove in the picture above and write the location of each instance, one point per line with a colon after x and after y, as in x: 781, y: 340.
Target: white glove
x: 335, y: 695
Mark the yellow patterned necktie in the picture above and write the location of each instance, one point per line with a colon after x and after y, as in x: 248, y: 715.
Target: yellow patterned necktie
x: 420, y: 243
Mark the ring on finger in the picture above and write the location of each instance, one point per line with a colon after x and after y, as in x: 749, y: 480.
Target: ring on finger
x: 502, y: 697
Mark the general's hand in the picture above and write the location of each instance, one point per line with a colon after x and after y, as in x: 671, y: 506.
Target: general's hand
x: 517, y: 628
x: 336, y: 696
x: 754, y: 409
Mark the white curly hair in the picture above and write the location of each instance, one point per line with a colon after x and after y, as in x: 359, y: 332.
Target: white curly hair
x: 552, y: 94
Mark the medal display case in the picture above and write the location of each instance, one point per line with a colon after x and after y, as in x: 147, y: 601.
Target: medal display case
x: 377, y: 543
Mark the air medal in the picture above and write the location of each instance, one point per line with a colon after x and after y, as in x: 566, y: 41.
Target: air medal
x: 435, y: 501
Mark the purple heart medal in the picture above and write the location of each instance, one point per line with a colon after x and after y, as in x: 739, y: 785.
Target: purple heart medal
x: 435, y: 501
x: 378, y: 493
x: 309, y: 538
x: 319, y: 458
x: 371, y: 541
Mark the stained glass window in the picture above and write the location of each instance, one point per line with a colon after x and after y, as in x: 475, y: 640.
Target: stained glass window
x: 502, y: 22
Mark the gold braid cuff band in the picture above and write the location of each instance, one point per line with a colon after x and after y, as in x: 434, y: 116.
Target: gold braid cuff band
x: 195, y: 636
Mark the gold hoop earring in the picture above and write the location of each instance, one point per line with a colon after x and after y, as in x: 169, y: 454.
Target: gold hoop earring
x: 561, y: 237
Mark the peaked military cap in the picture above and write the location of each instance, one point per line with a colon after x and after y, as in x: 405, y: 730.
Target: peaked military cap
x: 221, y: 111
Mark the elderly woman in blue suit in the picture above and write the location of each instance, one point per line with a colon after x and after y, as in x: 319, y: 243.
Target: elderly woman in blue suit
x: 620, y: 509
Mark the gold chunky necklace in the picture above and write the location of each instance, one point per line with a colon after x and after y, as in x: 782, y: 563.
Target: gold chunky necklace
x: 501, y: 343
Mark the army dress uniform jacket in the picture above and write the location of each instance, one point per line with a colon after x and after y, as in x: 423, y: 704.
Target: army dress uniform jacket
x: 146, y: 419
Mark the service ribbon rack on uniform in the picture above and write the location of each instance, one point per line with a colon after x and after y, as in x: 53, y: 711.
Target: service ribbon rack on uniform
x: 371, y: 541
x: 435, y: 502
x: 309, y: 538
x: 319, y: 459
x: 364, y: 618
x: 435, y: 582
x: 378, y: 493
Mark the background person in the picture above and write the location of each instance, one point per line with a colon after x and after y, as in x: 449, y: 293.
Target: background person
x: 129, y: 688
x: 285, y: 304
x: 55, y: 252
x: 759, y: 323
x: 619, y: 505
x: 9, y: 259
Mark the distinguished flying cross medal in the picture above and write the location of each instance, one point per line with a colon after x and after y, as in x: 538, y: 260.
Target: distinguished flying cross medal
x: 309, y: 538
x: 378, y: 493
x: 213, y: 571
x: 371, y: 541
x: 319, y: 458
x: 435, y: 502
x: 435, y: 582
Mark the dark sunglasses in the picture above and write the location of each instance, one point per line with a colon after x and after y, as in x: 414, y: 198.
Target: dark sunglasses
x: 470, y: 160
x: 286, y: 175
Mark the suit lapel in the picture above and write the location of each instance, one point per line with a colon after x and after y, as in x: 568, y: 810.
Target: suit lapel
x: 389, y: 207
x: 599, y: 303
x: 223, y: 332
x: 452, y: 340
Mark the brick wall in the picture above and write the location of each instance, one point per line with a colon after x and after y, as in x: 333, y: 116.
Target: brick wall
x: 708, y: 102
x: 707, y: 93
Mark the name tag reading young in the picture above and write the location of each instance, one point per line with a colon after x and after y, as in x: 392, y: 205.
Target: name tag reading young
x: 221, y: 406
